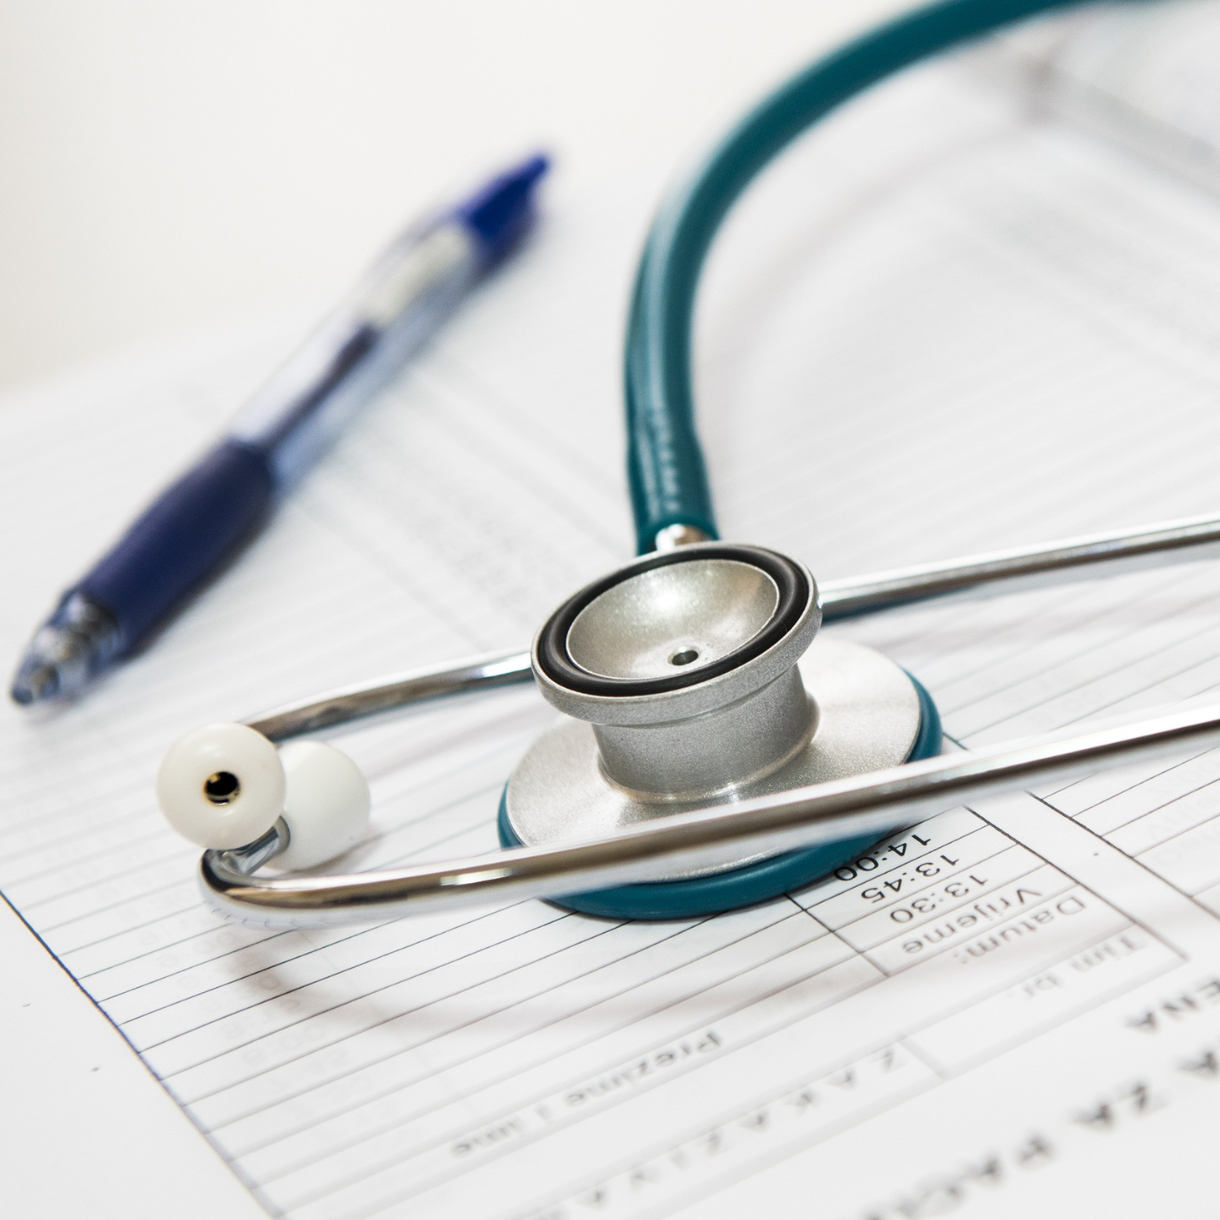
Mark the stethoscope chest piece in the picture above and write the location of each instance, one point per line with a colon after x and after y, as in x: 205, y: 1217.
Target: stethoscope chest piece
x: 691, y: 678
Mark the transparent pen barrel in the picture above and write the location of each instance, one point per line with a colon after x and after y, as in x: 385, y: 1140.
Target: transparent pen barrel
x: 358, y: 349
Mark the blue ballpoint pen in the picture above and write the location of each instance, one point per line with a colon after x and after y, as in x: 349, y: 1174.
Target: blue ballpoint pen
x: 200, y: 521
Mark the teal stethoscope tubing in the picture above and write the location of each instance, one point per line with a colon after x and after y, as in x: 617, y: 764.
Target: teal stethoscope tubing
x: 665, y: 464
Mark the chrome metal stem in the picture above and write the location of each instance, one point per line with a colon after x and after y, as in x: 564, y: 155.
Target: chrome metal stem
x: 867, y: 804
x: 354, y: 702
x: 1167, y: 542
x: 673, y: 536
x: 249, y: 859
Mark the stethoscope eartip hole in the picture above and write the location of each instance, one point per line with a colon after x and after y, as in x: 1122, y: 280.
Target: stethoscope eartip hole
x: 221, y: 785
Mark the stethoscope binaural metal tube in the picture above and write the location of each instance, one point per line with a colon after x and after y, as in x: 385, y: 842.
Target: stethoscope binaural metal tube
x: 878, y: 801
x: 390, y: 694
x: 873, y: 803
x: 1187, y: 540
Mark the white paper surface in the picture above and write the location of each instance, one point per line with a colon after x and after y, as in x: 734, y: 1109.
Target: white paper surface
x: 1143, y: 74
x: 85, y: 1126
x: 937, y: 328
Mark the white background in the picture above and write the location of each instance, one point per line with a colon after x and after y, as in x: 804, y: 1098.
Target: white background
x: 164, y: 166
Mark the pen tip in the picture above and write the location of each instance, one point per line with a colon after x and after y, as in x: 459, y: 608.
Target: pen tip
x: 34, y: 683
x: 66, y: 651
x: 533, y: 168
x: 502, y: 211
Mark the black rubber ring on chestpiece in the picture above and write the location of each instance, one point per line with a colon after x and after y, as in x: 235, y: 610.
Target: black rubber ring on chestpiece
x: 556, y: 662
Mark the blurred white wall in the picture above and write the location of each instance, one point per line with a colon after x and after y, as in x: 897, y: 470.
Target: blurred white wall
x: 168, y: 163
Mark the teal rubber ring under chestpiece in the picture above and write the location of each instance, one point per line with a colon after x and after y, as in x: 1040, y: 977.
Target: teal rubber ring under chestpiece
x: 739, y: 887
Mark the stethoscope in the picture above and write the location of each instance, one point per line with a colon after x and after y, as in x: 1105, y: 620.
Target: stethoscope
x: 712, y: 750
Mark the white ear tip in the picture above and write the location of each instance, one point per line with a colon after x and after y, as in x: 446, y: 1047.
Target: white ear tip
x: 221, y: 785
x: 326, y: 804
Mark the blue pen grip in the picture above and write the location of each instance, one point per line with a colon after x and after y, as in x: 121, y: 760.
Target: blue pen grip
x: 195, y: 525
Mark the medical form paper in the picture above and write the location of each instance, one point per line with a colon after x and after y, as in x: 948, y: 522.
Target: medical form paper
x: 937, y: 328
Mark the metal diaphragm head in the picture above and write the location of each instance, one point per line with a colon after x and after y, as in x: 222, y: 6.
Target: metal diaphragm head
x: 684, y: 664
x: 688, y: 678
